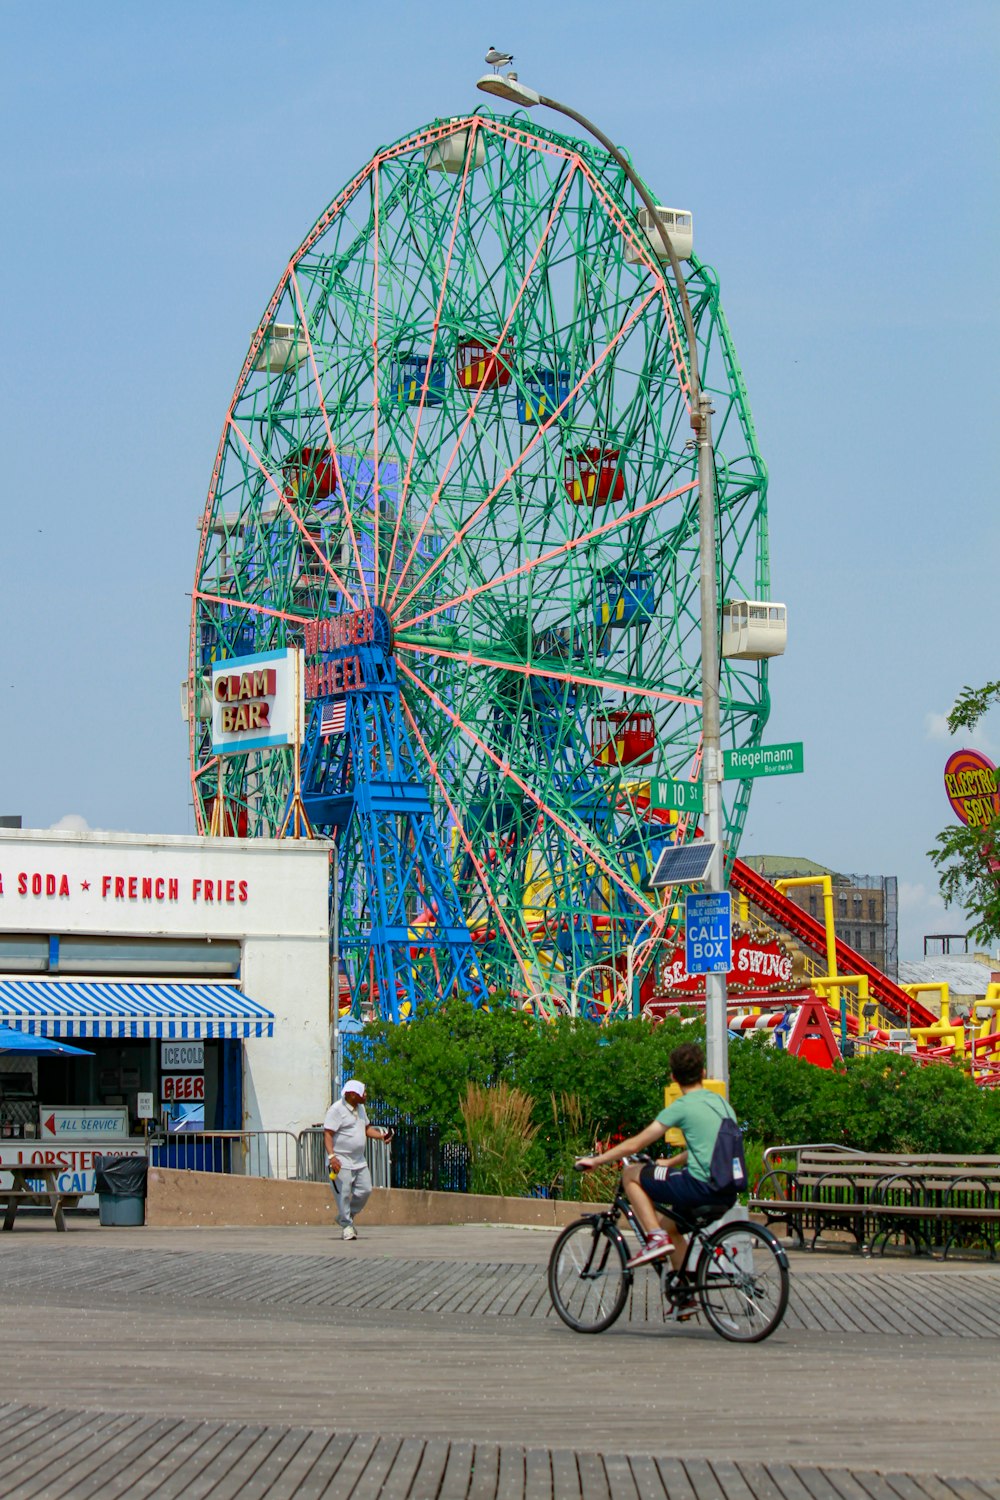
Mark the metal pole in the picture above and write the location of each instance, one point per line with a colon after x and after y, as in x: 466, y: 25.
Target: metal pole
x: 716, y: 1030
x: 335, y: 962
x: 717, y: 1047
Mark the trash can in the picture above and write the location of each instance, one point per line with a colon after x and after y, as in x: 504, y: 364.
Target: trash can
x: 121, y: 1190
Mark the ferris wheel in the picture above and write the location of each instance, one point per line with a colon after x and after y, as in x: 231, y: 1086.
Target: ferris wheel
x: 456, y: 469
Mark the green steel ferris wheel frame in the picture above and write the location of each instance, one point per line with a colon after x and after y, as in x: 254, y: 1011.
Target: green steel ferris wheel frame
x: 466, y: 403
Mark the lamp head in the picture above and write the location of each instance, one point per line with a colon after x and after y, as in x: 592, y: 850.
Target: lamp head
x: 507, y: 87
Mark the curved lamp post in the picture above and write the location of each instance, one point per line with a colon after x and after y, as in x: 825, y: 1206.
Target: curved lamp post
x: 507, y: 86
x: 574, y: 1007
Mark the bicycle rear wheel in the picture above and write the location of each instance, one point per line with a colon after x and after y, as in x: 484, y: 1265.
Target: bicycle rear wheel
x: 588, y: 1279
x: 742, y: 1282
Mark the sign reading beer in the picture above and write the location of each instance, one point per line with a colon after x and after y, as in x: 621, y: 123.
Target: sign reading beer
x: 257, y: 701
x: 970, y: 779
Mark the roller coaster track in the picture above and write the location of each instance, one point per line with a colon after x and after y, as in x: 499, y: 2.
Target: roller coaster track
x: 812, y: 934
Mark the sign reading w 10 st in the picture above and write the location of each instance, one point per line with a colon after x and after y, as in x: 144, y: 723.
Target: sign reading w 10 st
x: 708, y: 933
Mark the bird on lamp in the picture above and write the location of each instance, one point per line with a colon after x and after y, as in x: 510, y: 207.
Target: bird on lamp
x: 498, y: 59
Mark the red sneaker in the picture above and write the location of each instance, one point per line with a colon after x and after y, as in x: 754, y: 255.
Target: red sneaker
x: 658, y: 1244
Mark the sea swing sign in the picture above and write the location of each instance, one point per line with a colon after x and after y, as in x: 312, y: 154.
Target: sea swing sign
x: 257, y: 701
x: 708, y: 932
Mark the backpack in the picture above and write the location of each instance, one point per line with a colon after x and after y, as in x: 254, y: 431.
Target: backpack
x: 727, y: 1172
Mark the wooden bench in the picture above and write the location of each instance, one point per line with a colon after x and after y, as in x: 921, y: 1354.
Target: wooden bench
x: 20, y: 1195
x: 931, y: 1201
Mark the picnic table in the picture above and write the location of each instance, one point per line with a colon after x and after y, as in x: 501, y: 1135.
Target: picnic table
x: 22, y: 1194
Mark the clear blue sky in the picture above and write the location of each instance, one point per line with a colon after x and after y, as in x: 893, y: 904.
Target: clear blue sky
x: 160, y: 163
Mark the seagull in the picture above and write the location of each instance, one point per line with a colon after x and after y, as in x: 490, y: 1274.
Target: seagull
x: 497, y: 59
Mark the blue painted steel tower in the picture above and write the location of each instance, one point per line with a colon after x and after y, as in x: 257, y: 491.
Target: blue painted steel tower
x: 403, y: 938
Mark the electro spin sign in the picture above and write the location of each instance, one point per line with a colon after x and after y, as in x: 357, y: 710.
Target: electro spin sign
x: 970, y: 780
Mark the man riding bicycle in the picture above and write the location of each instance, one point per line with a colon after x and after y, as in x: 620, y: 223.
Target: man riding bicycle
x: 680, y: 1182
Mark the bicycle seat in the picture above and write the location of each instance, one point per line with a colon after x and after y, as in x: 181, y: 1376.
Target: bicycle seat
x: 696, y: 1218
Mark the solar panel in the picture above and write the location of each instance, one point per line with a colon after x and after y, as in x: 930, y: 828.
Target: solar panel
x: 683, y: 864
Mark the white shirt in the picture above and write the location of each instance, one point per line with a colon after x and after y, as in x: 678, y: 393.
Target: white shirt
x: 348, y: 1128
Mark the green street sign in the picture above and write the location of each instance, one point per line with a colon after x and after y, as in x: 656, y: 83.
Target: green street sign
x: 762, y: 760
x: 682, y: 796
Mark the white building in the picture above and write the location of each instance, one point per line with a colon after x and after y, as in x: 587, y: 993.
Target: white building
x: 123, y: 943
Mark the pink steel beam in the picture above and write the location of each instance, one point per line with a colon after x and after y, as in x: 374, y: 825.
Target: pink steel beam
x: 483, y: 877
x: 376, y: 481
x: 260, y: 609
x: 404, y: 488
x: 544, y: 557
x: 507, y: 770
x: 334, y: 458
x: 284, y: 500
x: 472, y: 660
x: 512, y: 470
x: 556, y: 207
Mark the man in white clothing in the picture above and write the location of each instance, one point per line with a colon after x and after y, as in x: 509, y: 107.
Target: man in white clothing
x: 345, y: 1130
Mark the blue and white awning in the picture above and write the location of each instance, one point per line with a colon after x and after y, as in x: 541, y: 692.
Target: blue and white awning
x: 126, y: 1009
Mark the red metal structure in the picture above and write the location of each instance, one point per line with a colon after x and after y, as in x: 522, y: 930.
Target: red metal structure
x: 478, y: 368
x: 592, y: 475
x: 813, y: 935
x: 624, y: 739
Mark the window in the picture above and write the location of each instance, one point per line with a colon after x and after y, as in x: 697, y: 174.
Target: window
x: 871, y: 910
x: 871, y: 938
x: 842, y: 906
x: 812, y: 905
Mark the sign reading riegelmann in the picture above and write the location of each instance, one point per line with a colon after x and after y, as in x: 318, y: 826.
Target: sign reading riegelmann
x: 761, y: 760
x: 708, y: 933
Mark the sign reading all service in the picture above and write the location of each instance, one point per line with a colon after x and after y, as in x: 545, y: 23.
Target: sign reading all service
x: 257, y: 701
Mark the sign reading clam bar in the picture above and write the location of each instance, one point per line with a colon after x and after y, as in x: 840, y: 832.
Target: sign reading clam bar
x: 257, y: 701
x: 970, y: 779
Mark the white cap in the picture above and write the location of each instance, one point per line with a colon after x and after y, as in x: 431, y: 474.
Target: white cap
x: 354, y: 1086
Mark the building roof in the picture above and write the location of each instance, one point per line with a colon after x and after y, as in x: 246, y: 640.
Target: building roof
x: 963, y: 976
x: 779, y: 866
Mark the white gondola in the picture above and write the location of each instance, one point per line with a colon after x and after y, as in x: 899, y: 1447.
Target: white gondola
x: 282, y: 349
x: 753, y: 629
x: 676, y: 223
x: 448, y: 155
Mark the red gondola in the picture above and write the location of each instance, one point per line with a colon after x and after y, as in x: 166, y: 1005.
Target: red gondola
x: 592, y: 475
x: 624, y: 739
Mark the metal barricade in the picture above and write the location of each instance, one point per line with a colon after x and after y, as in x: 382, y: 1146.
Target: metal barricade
x: 311, y: 1158
x: 243, y: 1153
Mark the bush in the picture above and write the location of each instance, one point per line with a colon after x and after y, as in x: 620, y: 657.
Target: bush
x: 580, y: 1082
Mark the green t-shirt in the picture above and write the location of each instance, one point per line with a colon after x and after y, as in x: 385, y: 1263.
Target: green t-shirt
x: 699, y: 1115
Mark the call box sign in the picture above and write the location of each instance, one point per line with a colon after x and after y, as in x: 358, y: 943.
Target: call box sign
x: 708, y: 933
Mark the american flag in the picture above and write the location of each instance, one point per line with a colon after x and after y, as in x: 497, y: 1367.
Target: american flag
x: 333, y: 719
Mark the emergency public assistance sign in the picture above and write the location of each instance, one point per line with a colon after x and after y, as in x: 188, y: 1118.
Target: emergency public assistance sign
x: 257, y: 701
x: 708, y: 933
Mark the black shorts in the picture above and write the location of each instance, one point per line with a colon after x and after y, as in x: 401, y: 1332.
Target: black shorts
x: 675, y: 1188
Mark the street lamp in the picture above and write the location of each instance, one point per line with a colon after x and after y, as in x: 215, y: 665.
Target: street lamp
x: 508, y: 86
x: 574, y: 1003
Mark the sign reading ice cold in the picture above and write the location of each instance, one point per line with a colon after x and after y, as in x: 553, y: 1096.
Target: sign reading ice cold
x: 257, y: 701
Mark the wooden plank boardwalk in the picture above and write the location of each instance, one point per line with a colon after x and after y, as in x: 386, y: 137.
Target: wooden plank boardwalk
x: 925, y: 1303
x: 49, y: 1452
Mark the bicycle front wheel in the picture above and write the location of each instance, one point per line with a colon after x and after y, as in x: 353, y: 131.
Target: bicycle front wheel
x: 742, y: 1282
x: 588, y: 1279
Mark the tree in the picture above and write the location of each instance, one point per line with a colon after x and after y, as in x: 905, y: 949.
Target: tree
x: 968, y: 858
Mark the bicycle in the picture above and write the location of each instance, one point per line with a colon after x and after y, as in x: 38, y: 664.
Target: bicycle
x: 740, y: 1270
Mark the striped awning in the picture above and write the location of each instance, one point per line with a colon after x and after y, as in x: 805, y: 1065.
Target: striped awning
x: 126, y: 1008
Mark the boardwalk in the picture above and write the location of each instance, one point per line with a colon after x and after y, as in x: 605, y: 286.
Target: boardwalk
x: 427, y: 1364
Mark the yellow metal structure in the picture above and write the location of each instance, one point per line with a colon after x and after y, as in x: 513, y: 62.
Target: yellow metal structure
x: 675, y: 1137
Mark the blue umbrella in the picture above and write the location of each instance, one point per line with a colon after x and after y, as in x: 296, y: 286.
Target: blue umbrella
x: 12, y: 1040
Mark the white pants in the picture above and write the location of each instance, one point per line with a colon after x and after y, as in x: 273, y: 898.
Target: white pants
x: 352, y: 1189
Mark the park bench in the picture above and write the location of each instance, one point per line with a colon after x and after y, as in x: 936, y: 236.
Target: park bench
x: 931, y: 1201
x: 21, y: 1195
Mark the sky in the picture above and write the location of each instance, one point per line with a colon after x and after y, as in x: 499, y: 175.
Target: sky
x: 159, y: 164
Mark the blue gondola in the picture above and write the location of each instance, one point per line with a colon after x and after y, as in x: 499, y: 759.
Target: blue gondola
x: 408, y: 377
x: 544, y: 390
x: 625, y: 599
